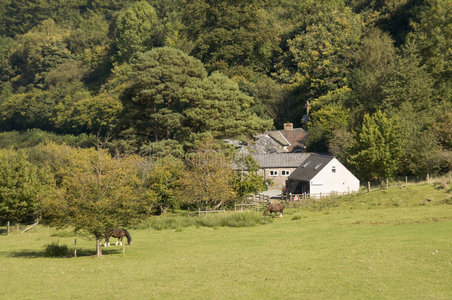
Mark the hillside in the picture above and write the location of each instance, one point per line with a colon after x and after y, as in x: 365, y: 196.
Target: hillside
x: 351, y: 251
x: 369, y: 80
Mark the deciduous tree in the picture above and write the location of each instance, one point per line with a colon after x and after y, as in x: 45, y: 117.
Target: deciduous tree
x: 378, y: 147
x: 97, y: 192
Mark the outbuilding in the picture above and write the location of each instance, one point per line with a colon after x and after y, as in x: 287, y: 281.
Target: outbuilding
x: 321, y: 175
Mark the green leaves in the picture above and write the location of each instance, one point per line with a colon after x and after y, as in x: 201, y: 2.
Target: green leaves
x: 171, y: 97
x: 138, y: 29
x: 378, y: 147
x: 22, y: 187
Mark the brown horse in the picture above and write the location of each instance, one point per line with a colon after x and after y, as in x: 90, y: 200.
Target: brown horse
x: 119, y: 234
x: 274, y: 208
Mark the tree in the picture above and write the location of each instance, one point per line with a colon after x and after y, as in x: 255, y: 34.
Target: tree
x: 152, y: 106
x: 321, y: 54
x: 37, y: 52
x: 138, y: 29
x: 171, y: 97
x: 246, y: 181
x: 216, y: 105
x: 33, y: 109
x: 409, y: 82
x: 378, y: 147
x: 97, y: 192
x: 207, y: 179
x: 163, y: 182
x: 375, y: 59
x: 231, y: 33
x: 22, y: 187
x: 432, y: 35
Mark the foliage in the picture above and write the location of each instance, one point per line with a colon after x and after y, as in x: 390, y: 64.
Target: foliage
x: 207, y: 180
x: 55, y: 250
x: 230, y: 69
x: 34, y: 137
x: 96, y: 192
x: 245, y: 179
x: 433, y: 35
x: 137, y: 29
x: 162, y: 181
x: 23, y: 187
x: 228, y: 34
x: 170, y: 96
x: 378, y: 147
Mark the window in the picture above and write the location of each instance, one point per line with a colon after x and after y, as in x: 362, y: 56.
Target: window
x: 285, y: 173
x: 306, y: 164
x: 273, y: 173
x: 333, y: 169
x: 318, y: 166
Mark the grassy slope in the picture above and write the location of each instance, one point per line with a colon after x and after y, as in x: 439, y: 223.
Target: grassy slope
x: 350, y: 251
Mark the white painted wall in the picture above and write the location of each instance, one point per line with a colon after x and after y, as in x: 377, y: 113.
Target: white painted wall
x: 341, y: 181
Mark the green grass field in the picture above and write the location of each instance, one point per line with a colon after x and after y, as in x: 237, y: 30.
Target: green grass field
x: 383, y: 245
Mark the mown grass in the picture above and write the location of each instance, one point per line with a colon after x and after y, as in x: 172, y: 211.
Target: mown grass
x: 356, y: 249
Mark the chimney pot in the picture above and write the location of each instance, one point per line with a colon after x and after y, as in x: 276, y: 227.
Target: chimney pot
x: 288, y: 126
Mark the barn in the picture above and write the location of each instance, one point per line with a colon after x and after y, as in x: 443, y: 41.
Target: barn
x: 321, y: 174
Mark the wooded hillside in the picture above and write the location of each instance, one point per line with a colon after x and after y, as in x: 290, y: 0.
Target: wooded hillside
x: 165, y: 75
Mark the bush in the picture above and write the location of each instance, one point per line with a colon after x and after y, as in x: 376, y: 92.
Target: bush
x: 55, y: 250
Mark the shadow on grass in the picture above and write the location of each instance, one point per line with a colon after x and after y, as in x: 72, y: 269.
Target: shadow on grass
x: 70, y: 254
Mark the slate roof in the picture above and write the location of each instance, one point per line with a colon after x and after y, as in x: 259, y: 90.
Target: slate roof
x: 279, y: 141
x: 296, y: 137
x: 280, y: 160
x: 310, y: 167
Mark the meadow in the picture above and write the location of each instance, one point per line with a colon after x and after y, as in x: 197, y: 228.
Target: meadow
x: 388, y: 244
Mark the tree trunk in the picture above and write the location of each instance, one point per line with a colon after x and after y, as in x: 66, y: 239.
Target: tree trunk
x: 99, y: 247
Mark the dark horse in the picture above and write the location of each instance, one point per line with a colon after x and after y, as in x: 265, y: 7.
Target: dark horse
x: 274, y: 208
x: 119, y: 234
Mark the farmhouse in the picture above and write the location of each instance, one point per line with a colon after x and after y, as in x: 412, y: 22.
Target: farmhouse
x: 278, y: 166
x: 321, y: 174
x: 287, y: 140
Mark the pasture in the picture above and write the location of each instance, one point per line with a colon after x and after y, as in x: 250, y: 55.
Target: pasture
x: 382, y: 245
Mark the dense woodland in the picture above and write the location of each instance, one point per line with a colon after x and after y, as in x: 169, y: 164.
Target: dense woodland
x: 163, y: 78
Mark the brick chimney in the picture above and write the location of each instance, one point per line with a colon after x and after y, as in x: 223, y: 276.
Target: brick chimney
x: 288, y: 126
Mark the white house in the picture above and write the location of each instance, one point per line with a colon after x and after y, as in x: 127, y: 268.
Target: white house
x: 321, y: 174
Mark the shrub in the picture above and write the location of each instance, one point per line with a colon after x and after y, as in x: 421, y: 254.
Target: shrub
x: 55, y: 250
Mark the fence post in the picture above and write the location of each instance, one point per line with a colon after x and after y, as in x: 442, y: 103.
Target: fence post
x: 406, y: 179
x: 387, y: 183
x: 428, y: 178
x: 7, y: 228
x: 368, y: 186
x: 75, y: 248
